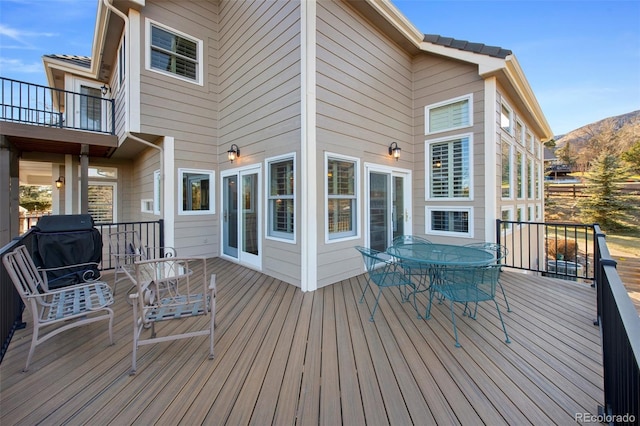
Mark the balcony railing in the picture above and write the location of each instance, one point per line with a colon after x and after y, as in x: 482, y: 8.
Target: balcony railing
x: 37, y: 105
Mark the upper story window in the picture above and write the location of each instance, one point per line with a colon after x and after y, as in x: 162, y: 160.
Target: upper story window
x: 520, y: 132
x: 449, y: 168
x: 507, y: 170
x: 506, y: 119
x: 449, y: 115
x: 122, y: 60
x: 342, y: 197
x: 174, y: 53
x: 281, y: 198
x: 195, y: 191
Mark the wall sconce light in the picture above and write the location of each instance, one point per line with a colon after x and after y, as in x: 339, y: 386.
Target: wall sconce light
x: 105, y: 89
x: 233, y: 153
x: 60, y: 182
x: 394, y: 150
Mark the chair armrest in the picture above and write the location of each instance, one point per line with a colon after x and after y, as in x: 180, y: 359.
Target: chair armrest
x: 88, y: 275
x: 154, y: 252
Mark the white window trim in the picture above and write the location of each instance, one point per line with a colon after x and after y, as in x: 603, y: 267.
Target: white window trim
x: 427, y: 221
x: 200, y: 60
x: 212, y: 203
x: 267, y: 162
x: 427, y: 163
x: 427, y: 109
x: 358, y: 216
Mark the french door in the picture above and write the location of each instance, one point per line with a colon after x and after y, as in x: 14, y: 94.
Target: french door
x: 388, y: 205
x: 242, y: 216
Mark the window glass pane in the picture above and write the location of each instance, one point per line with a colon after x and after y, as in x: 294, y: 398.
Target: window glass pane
x: 520, y: 174
x: 101, y: 203
x: 174, y: 54
x: 506, y: 170
x: 281, y: 202
x: 505, y: 119
x: 451, y: 116
x: 450, y: 176
x: 90, y: 108
x: 195, y: 191
x: 529, y: 178
x: 341, y: 198
x: 450, y: 221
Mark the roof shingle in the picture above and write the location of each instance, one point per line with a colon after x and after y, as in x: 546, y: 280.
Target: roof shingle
x: 482, y: 49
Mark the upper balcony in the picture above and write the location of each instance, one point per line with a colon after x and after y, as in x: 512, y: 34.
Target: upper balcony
x: 43, y: 119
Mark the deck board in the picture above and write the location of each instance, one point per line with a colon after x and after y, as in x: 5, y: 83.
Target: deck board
x: 287, y: 357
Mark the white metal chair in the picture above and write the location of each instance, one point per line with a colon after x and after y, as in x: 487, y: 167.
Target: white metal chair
x: 165, y: 291
x: 126, y: 249
x: 75, y: 305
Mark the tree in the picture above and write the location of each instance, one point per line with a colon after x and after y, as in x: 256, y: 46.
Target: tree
x: 604, y: 203
x: 632, y: 156
x: 35, y: 198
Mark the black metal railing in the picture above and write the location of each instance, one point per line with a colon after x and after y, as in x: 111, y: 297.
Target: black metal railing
x: 33, y: 104
x: 620, y: 333
x: 562, y: 250
x: 11, y: 306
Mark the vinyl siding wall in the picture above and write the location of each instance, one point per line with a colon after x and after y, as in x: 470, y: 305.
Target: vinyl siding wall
x: 436, y: 80
x: 259, y: 103
x: 184, y: 110
x: 364, y: 102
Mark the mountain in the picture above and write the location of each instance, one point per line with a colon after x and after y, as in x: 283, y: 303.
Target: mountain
x: 619, y: 133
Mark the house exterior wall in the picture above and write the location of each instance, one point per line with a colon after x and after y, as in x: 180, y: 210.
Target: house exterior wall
x: 259, y: 104
x: 364, y: 102
x: 438, y: 79
x: 184, y: 110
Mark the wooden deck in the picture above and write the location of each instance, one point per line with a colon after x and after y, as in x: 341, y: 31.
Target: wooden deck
x: 287, y: 357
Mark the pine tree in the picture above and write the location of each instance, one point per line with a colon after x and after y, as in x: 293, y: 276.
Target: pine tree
x: 604, y: 203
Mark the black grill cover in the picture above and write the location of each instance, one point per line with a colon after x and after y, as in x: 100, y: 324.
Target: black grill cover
x: 64, y: 240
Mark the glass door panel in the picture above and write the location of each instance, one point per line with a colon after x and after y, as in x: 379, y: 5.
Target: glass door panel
x: 230, y: 216
x: 378, y: 211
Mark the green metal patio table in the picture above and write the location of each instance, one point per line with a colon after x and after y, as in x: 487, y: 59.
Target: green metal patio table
x: 433, y: 258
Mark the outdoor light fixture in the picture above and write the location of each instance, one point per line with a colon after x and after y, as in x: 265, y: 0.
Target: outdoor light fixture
x: 394, y: 150
x: 60, y: 182
x: 233, y: 153
x: 105, y: 89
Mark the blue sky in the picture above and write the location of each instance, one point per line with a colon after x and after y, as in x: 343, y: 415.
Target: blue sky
x: 582, y: 58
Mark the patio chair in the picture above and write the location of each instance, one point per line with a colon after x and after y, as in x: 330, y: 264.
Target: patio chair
x: 383, y: 271
x: 500, y: 252
x: 73, y: 306
x: 410, y: 239
x: 166, y: 290
x: 126, y: 249
x: 467, y: 285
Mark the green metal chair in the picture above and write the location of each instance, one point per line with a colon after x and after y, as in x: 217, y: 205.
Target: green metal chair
x: 500, y: 252
x: 384, y: 272
x: 410, y: 239
x: 467, y: 285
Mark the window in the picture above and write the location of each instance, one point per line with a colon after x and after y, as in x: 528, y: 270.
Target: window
x: 449, y: 168
x: 506, y: 119
x: 281, y: 218
x: 507, y: 217
x: 449, y: 115
x: 90, y: 108
x: 520, y: 132
x: 195, y: 191
x: 531, y: 143
x: 102, y: 202
x: 506, y: 169
x: 342, y: 197
x: 538, y: 182
x: 530, y: 180
x: 171, y: 52
x: 520, y: 174
x: 448, y: 221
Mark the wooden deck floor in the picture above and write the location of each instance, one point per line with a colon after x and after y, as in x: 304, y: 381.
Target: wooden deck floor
x: 287, y: 357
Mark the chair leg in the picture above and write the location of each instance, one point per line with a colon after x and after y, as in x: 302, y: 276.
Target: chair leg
x: 505, y: 296
x: 453, y: 320
x: 32, y: 349
x: 375, y: 305
x: 364, y: 291
x: 501, y: 321
x: 427, y: 313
